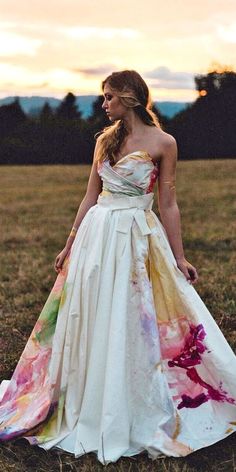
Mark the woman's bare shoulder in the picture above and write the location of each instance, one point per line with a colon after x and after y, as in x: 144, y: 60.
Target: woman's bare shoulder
x: 162, y: 143
x: 164, y: 138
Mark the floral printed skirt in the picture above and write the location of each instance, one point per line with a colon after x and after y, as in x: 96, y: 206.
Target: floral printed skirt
x: 125, y: 356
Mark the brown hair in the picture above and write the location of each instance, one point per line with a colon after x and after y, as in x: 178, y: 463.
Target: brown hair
x: 133, y: 92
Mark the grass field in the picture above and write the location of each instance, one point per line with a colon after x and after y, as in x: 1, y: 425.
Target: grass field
x: 37, y: 209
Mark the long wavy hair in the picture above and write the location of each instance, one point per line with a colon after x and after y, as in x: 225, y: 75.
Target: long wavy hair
x: 133, y: 92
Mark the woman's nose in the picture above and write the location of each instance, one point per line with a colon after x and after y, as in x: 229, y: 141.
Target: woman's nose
x: 105, y: 103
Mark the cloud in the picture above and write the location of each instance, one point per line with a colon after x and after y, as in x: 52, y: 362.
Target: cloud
x: 70, y: 44
x: 87, y: 32
x: 95, y: 71
x: 12, y: 43
x: 165, y: 78
x: 227, y: 33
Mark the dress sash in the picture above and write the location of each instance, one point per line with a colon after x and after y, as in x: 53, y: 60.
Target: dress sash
x: 133, y: 208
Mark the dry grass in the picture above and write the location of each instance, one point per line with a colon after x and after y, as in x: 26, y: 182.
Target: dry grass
x: 37, y: 208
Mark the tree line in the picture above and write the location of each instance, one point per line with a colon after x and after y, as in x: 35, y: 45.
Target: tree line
x: 206, y: 129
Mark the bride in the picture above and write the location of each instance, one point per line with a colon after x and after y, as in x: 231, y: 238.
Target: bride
x: 125, y: 356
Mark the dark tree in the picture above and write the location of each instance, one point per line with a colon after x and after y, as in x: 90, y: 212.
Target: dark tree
x: 68, y: 109
x: 46, y: 113
x: 11, y: 116
x: 207, y: 84
x: 215, y: 82
x: 98, y: 117
x: 206, y: 129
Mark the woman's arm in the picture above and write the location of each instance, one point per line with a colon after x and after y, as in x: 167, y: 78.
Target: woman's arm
x: 94, y: 188
x: 168, y: 208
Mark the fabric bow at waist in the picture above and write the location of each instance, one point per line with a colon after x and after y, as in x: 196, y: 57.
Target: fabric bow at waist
x: 133, y: 208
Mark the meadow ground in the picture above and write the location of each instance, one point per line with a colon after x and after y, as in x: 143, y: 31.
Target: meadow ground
x: 37, y: 209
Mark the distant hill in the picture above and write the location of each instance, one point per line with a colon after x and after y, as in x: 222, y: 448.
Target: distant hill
x: 32, y: 105
x: 170, y: 109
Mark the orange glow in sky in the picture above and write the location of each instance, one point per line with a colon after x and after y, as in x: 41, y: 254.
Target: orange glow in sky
x: 51, y: 47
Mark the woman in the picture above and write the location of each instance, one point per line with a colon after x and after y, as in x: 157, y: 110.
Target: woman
x: 125, y: 357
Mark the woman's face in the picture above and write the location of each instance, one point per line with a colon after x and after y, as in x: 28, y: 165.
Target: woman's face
x: 112, y: 104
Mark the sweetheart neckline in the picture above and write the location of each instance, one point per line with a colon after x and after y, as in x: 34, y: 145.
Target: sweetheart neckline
x: 133, y: 153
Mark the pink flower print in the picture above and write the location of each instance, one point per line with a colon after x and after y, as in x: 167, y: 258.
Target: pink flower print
x: 188, y: 359
x: 194, y: 347
x: 153, y: 178
x: 189, y: 402
x: 173, y: 337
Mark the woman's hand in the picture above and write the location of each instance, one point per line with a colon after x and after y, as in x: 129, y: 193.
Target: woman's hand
x: 60, y: 259
x: 188, y: 270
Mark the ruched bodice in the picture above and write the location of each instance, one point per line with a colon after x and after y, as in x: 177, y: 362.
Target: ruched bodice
x: 134, y: 174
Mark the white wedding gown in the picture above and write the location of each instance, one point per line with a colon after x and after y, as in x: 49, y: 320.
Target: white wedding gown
x: 125, y: 356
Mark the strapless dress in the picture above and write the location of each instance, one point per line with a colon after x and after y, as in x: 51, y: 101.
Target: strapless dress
x: 124, y: 357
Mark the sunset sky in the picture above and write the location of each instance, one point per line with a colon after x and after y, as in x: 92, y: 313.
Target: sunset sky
x: 50, y: 47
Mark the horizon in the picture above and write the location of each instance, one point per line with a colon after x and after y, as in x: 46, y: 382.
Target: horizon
x: 77, y: 96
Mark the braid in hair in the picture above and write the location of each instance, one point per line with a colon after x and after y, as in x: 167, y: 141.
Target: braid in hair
x: 133, y: 93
